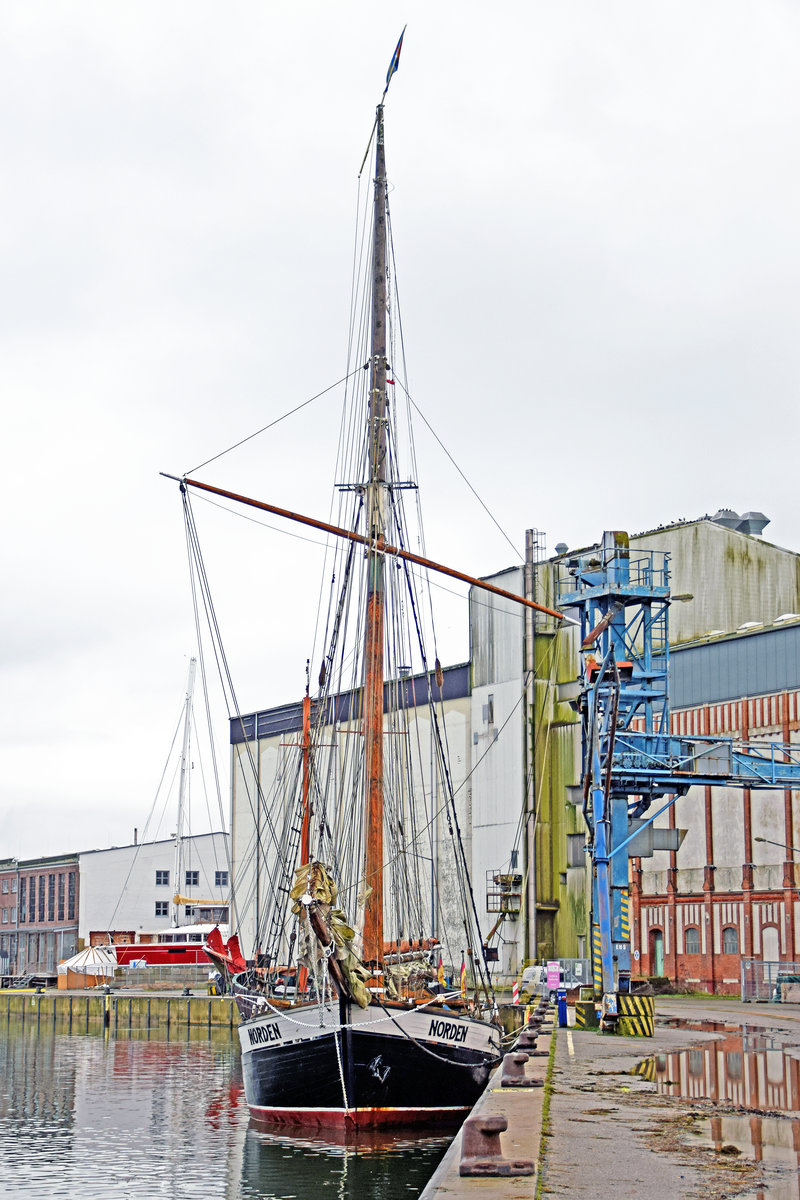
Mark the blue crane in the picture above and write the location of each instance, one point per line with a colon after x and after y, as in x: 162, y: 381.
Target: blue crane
x: 632, y: 763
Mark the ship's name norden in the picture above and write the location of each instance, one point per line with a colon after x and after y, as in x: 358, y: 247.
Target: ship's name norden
x: 260, y: 1034
x: 448, y: 1029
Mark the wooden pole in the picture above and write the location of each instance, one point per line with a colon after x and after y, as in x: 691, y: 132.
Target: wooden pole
x: 377, y: 500
x: 384, y: 547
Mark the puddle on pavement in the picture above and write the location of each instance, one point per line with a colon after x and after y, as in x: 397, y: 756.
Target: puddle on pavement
x: 772, y: 1141
x: 749, y: 1068
x: 745, y: 1066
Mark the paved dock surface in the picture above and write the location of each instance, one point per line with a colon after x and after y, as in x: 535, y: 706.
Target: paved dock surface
x: 612, y: 1131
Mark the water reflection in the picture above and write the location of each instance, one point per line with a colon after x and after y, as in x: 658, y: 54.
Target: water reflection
x: 750, y: 1069
x: 366, y: 1164
x: 98, y: 1116
x: 746, y: 1067
x: 773, y: 1141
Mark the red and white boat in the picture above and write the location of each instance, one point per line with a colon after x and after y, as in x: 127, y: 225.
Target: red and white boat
x: 168, y: 947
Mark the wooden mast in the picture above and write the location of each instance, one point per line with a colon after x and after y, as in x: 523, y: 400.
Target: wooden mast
x: 305, y: 807
x: 376, y: 526
x: 305, y: 824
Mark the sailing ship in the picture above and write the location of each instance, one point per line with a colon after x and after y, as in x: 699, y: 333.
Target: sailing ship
x: 366, y: 1000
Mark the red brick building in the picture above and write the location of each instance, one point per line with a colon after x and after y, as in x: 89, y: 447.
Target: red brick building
x: 730, y: 893
x: 38, y: 914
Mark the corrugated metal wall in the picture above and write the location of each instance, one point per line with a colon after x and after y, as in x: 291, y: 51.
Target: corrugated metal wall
x: 732, y: 578
x: 755, y: 664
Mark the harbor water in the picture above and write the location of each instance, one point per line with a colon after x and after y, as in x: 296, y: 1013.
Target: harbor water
x: 144, y: 1115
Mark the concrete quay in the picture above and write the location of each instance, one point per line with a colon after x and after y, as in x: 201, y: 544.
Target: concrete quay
x: 611, y: 1119
x: 119, y: 1011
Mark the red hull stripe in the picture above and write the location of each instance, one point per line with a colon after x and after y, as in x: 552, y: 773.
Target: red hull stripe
x: 361, y: 1118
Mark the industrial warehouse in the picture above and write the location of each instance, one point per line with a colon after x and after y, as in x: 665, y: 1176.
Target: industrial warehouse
x: 715, y: 884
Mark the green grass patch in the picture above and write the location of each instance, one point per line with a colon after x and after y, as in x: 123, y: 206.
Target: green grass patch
x: 548, y: 1091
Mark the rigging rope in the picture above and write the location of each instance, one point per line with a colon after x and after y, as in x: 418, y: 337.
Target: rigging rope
x: 271, y: 424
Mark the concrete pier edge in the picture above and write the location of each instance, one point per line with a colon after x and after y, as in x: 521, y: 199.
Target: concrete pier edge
x: 119, y: 1011
x: 525, y: 1109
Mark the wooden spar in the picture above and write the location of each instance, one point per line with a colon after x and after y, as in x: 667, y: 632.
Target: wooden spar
x: 373, y: 633
x: 384, y: 547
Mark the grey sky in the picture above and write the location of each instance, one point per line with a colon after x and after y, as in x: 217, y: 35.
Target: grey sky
x: 595, y: 217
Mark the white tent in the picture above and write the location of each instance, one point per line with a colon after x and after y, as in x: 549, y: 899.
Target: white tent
x: 94, y: 960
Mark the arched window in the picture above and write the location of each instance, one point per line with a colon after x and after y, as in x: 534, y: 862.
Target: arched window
x: 691, y: 941
x: 730, y: 940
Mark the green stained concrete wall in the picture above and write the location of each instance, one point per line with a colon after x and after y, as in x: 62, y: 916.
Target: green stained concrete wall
x: 81, y: 1012
x: 561, y: 889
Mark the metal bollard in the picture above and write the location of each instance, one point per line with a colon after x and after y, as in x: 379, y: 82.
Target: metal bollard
x: 514, y: 1072
x: 527, y: 1039
x: 527, y: 1042
x: 481, y: 1152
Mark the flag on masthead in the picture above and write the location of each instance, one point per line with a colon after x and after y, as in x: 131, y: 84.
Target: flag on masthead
x: 395, y: 63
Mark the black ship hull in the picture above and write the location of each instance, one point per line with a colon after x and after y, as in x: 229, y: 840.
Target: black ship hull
x: 386, y: 1066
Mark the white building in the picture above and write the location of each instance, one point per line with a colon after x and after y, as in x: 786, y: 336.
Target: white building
x: 132, y: 889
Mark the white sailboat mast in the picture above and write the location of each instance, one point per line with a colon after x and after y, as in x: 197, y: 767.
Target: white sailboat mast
x: 183, y: 791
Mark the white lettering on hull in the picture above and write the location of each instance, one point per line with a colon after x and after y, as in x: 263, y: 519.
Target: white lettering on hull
x: 298, y: 1027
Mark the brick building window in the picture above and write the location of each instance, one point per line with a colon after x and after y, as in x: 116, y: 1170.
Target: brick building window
x: 221, y: 877
x: 162, y: 908
x: 192, y: 878
x: 5, y: 886
x: 691, y: 941
x: 32, y: 900
x: 42, y: 883
x: 5, y: 916
x: 730, y: 940
x: 733, y: 1064
x: 61, y: 896
x: 71, y: 896
x: 51, y: 897
x: 22, y: 900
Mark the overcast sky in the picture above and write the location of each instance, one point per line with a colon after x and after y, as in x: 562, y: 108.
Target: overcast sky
x: 595, y: 212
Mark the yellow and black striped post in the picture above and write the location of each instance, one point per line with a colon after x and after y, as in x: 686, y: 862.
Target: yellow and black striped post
x: 646, y: 1070
x: 636, y: 1015
x: 597, y: 961
x: 624, y: 915
x: 585, y: 1014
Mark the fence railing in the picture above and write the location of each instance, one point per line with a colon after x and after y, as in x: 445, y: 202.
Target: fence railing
x: 772, y: 982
